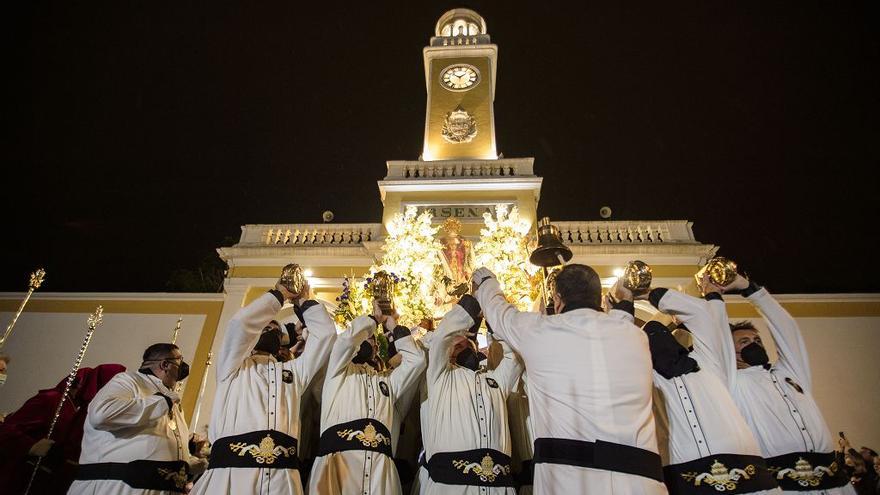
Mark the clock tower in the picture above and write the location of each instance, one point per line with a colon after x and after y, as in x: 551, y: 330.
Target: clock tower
x: 460, y: 78
x: 459, y: 174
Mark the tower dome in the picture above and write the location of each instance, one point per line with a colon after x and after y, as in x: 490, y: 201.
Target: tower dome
x: 460, y: 22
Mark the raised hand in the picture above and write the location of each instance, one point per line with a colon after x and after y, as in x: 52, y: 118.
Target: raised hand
x: 707, y: 286
x: 377, y: 313
x: 480, y: 275
x: 286, y: 294
x: 619, y: 292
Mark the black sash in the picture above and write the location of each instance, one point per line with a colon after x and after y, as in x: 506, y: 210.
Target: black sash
x: 728, y: 473
x: 599, y: 455
x: 171, y: 476
x: 526, y: 475
x: 360, y: 434
x: 806, y: 471
x: 257, y: 449
x: 481, y: 467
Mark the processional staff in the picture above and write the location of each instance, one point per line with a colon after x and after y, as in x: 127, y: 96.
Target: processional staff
x: 174, y: 333
x: 198, y: 411
x: 94, y: 320
x: 35, y: 282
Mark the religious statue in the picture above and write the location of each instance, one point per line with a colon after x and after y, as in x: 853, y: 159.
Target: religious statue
x: 457, y: 259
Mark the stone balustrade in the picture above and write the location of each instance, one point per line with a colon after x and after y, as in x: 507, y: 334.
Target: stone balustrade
x: 501, y: 168
x: 319, y: 234
x: 574, y: 233
x: 627, y: 232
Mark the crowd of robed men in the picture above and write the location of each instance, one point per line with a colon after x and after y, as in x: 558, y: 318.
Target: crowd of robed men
x: 574, y: 400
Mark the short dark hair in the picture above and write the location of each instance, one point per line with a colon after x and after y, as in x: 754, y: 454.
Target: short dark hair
x: 579, y: 286
x: 158, y: 351
x: 870, y: 451
x: 742, y: 325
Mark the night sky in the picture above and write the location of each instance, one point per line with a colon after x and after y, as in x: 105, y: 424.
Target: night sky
x: 141, y: 135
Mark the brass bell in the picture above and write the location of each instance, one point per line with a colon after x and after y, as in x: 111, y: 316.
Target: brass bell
x: 722, y: 271
x: 381, y: 287
x: 550, y: 251
x: 292, y: 278
x: 637, y: 277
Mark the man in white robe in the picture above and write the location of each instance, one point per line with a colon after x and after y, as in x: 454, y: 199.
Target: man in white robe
x: 468, y: 443
x: 589, y: 388
x: 135, y: 440
x: 705, y: 442
x: 776, y: 399
x: 255, y: 422
x: 358, y: 411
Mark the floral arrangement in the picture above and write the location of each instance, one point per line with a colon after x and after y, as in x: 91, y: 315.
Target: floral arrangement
x: 412, y: 253
x: 353, y: 302
x: 504, y: 248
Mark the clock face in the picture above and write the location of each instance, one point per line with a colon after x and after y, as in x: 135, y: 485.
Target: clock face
x: 460, y: 77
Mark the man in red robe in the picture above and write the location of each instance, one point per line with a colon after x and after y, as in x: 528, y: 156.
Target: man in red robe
x: 23, y: 434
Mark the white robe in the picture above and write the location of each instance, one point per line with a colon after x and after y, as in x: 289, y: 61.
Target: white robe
x: 252, y: 395
x: 696, y: 415
x: 521, y: 434
x: 126, y: 422
x: 421, y: 478
x: 783, y: 419
x: 469, y: 409
x: 357, y: 391
x: 589, y: 379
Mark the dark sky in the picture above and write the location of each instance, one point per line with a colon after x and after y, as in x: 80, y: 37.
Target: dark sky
x: 140, y: 135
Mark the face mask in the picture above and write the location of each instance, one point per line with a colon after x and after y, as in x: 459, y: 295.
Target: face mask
x: 754, y: 354
x: 269, y: 342
x: 2, y: 379
x: 182, y: 371
x: 468, y: 358
x: 364, y: 354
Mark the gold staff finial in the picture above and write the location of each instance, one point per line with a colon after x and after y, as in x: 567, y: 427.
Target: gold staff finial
x: 37, y: 279
x: 176, y: 331
x: 35, y: 282
x: 94, y: 320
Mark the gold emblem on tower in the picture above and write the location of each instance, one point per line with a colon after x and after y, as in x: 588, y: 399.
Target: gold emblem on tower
x: 459, y: 126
